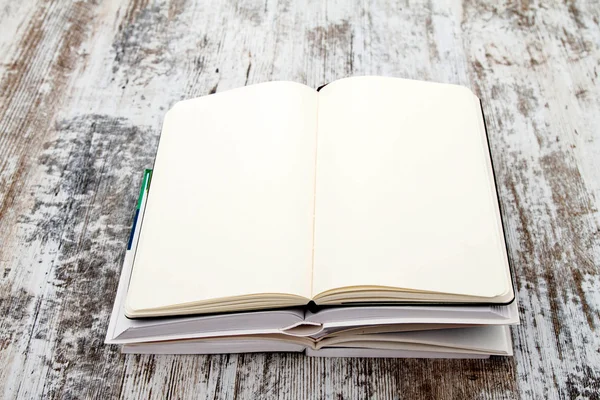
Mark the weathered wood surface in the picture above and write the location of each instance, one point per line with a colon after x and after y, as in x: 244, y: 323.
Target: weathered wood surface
x: 84, y: 87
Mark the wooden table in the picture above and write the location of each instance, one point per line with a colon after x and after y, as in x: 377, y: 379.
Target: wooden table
x: 84, y: 87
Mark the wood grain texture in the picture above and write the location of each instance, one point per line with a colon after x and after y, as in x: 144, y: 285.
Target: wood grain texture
x: 84, y: 86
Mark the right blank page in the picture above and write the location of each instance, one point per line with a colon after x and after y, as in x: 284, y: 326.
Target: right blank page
x: 405, y: 196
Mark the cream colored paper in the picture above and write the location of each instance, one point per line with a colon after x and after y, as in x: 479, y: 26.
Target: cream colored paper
x: 404, y: 197
x: 230, y: 208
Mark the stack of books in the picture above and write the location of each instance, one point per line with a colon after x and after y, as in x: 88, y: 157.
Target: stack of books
x: 359, y: 220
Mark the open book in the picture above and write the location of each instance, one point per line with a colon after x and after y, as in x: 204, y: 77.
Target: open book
x: 371, y: 191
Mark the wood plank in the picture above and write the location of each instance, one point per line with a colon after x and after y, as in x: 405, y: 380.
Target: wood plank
x: 84, y: 88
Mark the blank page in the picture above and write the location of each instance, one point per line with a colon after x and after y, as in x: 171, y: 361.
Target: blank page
x: 230, y: 208
x: 405, y: 196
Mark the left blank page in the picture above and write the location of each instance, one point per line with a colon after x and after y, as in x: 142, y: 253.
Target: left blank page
x: 230, y: 208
